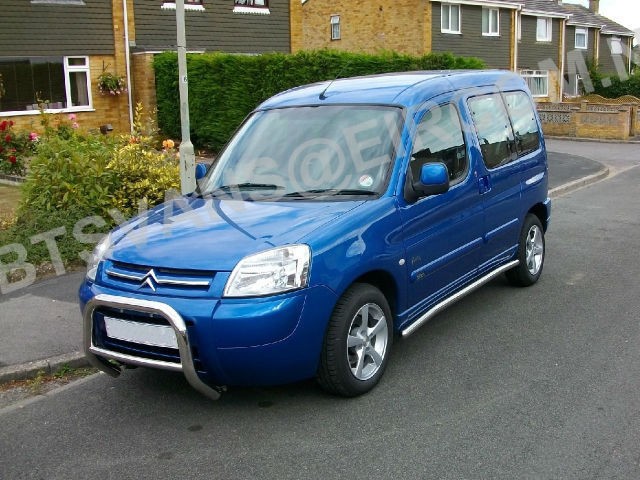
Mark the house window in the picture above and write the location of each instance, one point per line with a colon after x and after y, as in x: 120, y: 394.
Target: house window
x: 544, y: 29
x: 616, y: 46
x: 192, y: 5
x: 335, y: 27
x: 450, y: 18
x: 261, y: 7
x: 519, y: 26
x: 582, y: 38
x: 63, y: 81
x: 538, y: 82
x: 490, y: 22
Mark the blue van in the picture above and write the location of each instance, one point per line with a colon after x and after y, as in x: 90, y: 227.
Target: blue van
x: 340, y: 216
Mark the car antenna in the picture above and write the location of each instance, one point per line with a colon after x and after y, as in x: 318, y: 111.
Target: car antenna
x: 322, y: 95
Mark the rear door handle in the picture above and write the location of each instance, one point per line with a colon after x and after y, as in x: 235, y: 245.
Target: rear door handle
x: 484, y: 184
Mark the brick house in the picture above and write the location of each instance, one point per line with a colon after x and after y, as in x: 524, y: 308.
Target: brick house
x: 549, y: 42
x: 56, y: 49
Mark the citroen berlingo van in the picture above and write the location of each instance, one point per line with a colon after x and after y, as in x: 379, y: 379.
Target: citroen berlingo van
x: 340, y: 217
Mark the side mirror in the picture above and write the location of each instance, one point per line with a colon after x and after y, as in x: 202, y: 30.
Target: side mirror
x: 201, y: 170
x: 434, y: 179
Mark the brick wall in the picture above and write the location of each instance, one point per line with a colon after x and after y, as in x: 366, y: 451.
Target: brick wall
x: 143, y: 78
x: 402, y: 26
x: 295, y: 25
x: 587, y: 120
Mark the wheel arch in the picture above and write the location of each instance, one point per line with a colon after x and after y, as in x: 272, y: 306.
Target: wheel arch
x: 384, y: 282
x: 540, y: 211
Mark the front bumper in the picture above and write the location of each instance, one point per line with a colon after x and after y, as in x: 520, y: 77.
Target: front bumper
x: 261, y: 341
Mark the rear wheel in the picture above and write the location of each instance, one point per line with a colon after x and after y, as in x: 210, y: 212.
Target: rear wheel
x: 531, y: 253
x: 357, y: 343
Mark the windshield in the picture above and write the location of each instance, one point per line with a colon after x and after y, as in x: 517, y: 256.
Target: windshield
x: 308, y: 152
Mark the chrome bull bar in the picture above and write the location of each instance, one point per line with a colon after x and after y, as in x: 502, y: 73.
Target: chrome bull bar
x: 99, y: 357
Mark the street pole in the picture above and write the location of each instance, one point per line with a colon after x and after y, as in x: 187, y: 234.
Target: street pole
x: 187, y: 155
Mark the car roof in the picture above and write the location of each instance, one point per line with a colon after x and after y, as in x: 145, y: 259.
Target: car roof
x: 402, y: 89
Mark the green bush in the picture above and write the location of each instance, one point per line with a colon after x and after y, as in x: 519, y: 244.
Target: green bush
x: 224, y: 88
x: 70, y: 174
x: 74, y: 176
x: 144, y: 175
x: 615, y: 87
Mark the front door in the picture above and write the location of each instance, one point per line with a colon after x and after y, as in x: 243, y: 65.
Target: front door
x: 443, y: 233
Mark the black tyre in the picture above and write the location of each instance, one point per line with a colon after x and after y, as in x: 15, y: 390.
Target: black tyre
x: 531, y: 252
x: 357, y: 343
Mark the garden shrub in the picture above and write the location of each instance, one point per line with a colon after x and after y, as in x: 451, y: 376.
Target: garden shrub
x: 224, y: 88
x: 613, y: 86
x: 70, y: 174
x: 143, y: 174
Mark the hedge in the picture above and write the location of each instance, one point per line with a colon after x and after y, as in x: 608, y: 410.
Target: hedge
x: 224, y: 88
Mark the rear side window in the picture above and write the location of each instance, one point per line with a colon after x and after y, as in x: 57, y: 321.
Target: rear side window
x: 439, y: 139
x: 493, y: 128
x: 524, y: 123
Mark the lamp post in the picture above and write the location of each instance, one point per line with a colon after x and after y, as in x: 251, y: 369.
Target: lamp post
x: 187, y: 155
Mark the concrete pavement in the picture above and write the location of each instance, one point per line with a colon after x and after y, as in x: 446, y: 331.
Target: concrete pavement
x: 41, y: 325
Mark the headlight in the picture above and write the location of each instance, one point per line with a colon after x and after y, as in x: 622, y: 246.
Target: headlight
x: 270, y: 272
x: 96, y: 257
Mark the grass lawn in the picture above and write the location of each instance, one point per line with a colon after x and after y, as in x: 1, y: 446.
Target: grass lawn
x: 9, y: 199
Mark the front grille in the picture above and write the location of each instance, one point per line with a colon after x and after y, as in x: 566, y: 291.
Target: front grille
x: 154, y: 280
x: 102, y: 340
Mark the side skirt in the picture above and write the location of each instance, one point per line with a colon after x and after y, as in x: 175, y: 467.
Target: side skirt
x: 457, y: 296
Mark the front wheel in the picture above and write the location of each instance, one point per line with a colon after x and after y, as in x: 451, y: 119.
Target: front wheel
x: 531, y: 251
x: 357, y: 343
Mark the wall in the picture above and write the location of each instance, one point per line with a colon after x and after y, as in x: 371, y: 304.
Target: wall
x: 609, y: 63
x: 587, y: 120
x: 28, y: 29
x: 215, y: 28
x: 531, y: 52
x: 577, y: 59
x: 295, y: 25
x: 399, y: 25
x: 495, y: 51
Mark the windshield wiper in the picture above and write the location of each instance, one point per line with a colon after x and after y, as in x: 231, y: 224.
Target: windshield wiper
x: 244, y: 187
x: 329, y: 191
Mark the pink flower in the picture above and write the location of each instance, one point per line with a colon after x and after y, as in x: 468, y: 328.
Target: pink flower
x: 74, y: 125
x: 34, y: 137
x: 72, y: 117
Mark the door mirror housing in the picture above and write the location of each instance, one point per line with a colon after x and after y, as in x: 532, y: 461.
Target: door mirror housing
x: 201, y: 170
x: 434, y: 179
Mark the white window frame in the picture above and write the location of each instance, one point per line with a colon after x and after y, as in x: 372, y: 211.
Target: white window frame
x: 494, y: 30
x: 616, y: 42
x: 519, y: 25
x: 582, y: 32
x: 67, y: 82
x: 258, y: 7
x: 335, y: 27
x: 549, y: 29
x: 450, y: 28
x: 533, y: 75
x: 191, y: 7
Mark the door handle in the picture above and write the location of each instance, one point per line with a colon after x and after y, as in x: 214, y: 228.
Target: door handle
x: 484, y: 184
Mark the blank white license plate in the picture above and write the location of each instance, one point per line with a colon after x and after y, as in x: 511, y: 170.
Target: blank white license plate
x: 144, y: 333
